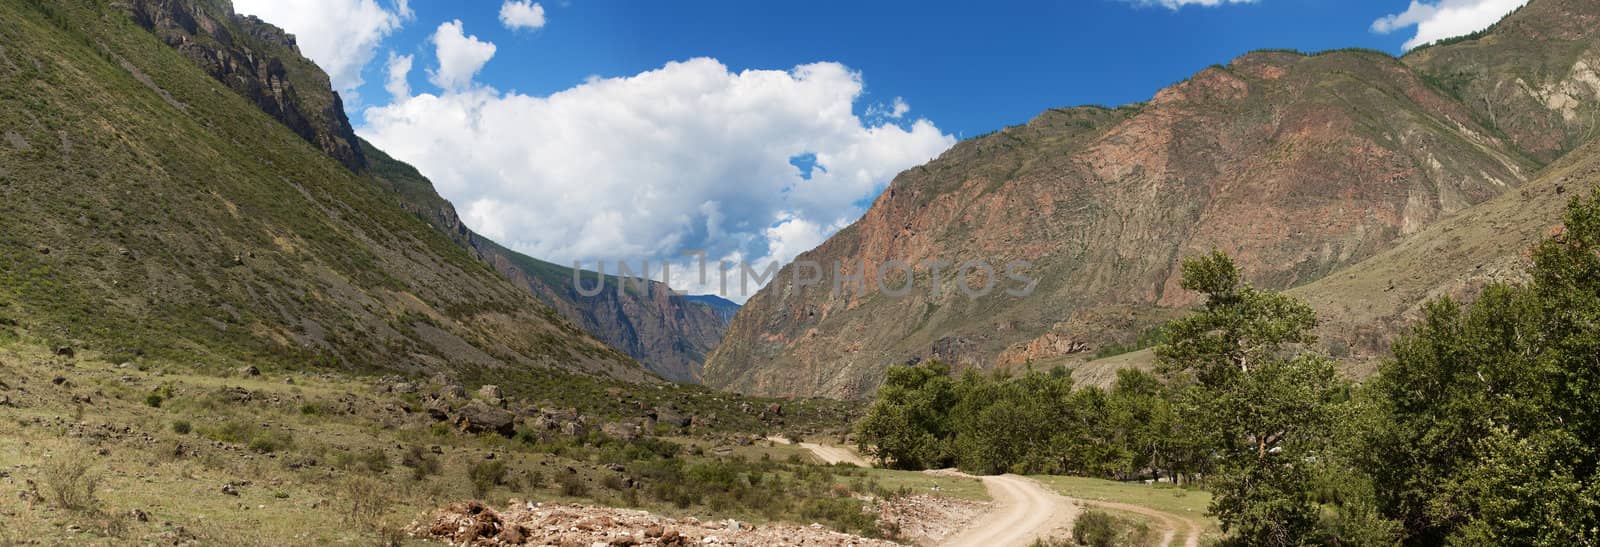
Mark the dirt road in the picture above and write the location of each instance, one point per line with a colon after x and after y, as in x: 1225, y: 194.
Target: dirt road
x: 1023, y: 513
x: 828, y: 454
x: 1170, y: 523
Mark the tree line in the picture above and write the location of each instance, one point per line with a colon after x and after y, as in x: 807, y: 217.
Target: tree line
x: 1480, y: 428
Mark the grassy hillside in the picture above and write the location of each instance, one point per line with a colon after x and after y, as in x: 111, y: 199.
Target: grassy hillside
x: 148, y: 212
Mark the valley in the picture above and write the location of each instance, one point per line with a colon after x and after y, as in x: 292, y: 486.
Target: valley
x: 1299, y: 298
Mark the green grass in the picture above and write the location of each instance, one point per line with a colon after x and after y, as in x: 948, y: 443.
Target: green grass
x: 1183, y: 503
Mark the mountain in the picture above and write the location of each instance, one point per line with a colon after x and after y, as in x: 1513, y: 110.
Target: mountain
x: 153, y: 208
x: 668, y: 333
x: 1297, y: 165
x: 262, y: 63
x: 724, y: 308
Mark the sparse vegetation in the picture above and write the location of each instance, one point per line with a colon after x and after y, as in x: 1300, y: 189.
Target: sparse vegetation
x: 70, y: 479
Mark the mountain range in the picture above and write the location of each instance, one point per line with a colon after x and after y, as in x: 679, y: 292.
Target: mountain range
x: 1331, y: 172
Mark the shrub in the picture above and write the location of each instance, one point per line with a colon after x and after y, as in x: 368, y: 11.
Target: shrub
x: 68, y: 479
x: 421, y: 462
x: 181, y: 427
x: 267, y: 442
x: 1099, y: 529
x: 485, y: 476
x: 153, y: 400
x: 367, y: 499
x: 374, y: 460
x: 572, y: 486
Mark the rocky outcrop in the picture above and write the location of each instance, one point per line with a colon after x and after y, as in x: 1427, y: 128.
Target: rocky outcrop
x: 258, y: 61
x: 1297, y: 165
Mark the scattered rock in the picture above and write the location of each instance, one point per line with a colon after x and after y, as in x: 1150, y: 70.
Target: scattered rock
x: 471, y: 523
x: 230, y: 489
x: 250, y: 371
x: 515, y: 534
x: 625, y: 431
x: 66, y: 351
x: 491, y: 394
x: 139, y: 515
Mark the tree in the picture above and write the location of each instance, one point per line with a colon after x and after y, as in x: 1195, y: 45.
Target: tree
x: 1491, y: 412
x: 1265, y: 401
x: 909, y: 426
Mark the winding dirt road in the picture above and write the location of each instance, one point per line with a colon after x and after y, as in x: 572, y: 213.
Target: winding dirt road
x: 1170, y: 523
x: 1024, y: 511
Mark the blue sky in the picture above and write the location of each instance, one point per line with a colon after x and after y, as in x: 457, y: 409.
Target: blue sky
x: 970, y: 67
x: 580, y: 131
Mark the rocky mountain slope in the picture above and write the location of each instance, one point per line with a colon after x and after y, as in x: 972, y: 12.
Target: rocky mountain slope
x: 260, y: 62
x: 1297, y: 165
x: 670, y: 336
x: 146, y: 210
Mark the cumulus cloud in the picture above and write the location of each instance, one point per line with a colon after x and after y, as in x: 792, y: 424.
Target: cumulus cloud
x: 1446, y: 19
x: 460, y: 56
x: 522, y: 14
x: 341, y: 36
x: 689, y: 156
x: 1178, y: 4
x: 399, y: 69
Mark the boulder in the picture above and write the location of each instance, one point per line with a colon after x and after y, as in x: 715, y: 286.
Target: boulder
x: 477, y: 417
x: 491, y: 394
x: 626, y: 431
x: 250, y: 371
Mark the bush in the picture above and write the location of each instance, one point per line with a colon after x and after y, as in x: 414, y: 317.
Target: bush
x: 572, y: 486
x: 153, y: 400
x: 1099, y: 529
x: 181, y: 427
x: 374, y: 460
x: 68, y: 479
x: 267, y: 442
x: 422, y: 463
x: 368, y: 501
x: 485, y: 476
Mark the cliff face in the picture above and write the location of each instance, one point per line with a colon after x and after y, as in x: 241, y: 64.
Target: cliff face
x: 260, y: 62
x: 670, y: 334
x: 1296, y: 165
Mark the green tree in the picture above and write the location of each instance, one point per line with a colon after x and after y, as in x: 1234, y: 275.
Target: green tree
x: 1265, y: 402
x: 1489, y: 411
x: 909, y: 425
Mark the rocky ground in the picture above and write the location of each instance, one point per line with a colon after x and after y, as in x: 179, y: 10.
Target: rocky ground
x: 923, y: 520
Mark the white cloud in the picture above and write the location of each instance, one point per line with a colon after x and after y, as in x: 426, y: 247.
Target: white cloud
x: 690, y: 156
x: 894, y: 110
x: 1446, y: 18
x: 341, y: 36
x: 460, y: 56
x: 1179, y: 4
x: 399, y: 69
x: 521, y: 14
